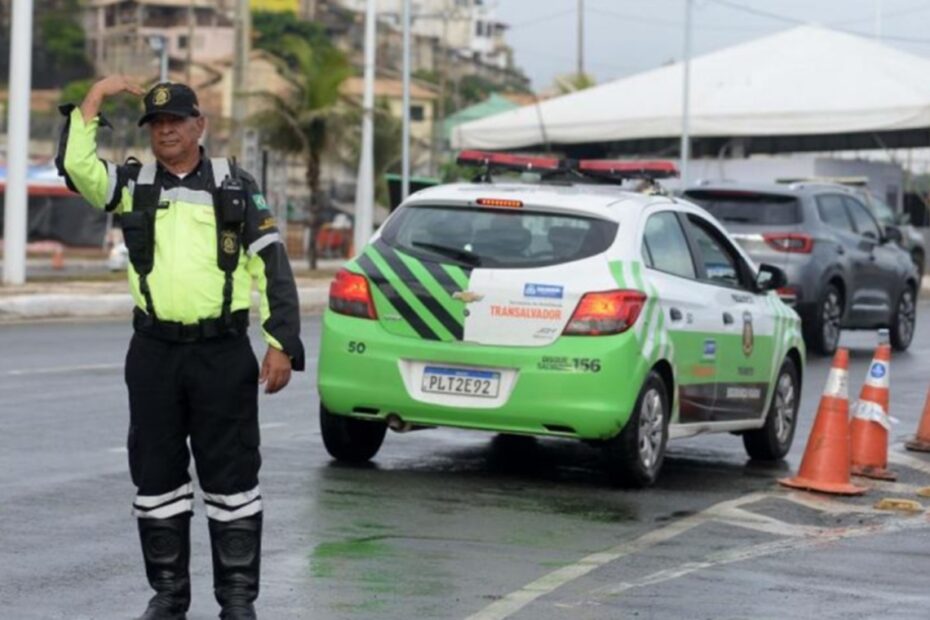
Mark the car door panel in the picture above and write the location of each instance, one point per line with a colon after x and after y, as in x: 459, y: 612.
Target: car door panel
x: 744, y: 327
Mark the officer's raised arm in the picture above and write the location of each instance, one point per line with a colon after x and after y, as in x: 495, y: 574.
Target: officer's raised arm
x: 99, y: 182
x: 269, y: 266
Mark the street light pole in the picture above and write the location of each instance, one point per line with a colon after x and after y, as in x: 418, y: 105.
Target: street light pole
x: 580, y: 38
x: 14, y: 224
x: 686, y: 97
x: 365, y: 190
x: 405, y: 149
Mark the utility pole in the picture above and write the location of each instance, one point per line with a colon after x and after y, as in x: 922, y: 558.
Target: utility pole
x: 405, y: 147
x: 365, y: 189
x: 686, y: 97
x: 580, y: 70
x: 14, y: 224
x: 240, y: 70
x: 190, y: 42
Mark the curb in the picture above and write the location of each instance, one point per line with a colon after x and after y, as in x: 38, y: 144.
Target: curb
x: 100, y: 305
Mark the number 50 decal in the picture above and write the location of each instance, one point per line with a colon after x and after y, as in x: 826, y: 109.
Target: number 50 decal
x: 357, y: 347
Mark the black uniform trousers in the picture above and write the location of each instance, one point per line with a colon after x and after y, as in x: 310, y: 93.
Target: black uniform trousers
x: 206, y: 391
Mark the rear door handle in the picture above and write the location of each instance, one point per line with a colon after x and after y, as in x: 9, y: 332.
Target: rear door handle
x: 675, y: 314
x: 727, y: 318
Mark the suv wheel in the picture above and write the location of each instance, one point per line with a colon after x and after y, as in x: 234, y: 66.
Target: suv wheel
x: 904, y: 320
x: 634, y: 457
x: 824, y: 327
x: 772, y: 441
x: 350, y: 439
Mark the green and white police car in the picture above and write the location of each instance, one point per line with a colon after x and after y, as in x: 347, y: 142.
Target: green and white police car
x: 561, y: 309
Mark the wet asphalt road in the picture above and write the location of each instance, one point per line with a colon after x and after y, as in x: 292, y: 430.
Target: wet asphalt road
x: 450, y: 524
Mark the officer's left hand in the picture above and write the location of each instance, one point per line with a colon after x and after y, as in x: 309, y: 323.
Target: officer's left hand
x: 276, y: 370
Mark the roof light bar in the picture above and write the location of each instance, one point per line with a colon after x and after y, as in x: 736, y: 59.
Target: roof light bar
x: 508, y: 161
x: 629, y: 168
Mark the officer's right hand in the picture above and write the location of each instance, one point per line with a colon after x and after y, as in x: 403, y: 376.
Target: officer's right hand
x: 116, y: 84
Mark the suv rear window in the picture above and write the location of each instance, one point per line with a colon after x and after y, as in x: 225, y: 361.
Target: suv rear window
x: 739, y: 207
x: 497, y: 238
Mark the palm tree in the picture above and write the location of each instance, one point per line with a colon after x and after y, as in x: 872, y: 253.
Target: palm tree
x: 306, y: 119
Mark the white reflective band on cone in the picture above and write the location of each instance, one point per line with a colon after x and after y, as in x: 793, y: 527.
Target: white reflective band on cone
x: 872, y: 412
x: 837, y: 384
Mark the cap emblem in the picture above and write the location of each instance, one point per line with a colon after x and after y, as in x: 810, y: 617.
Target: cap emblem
x: 161, y: 96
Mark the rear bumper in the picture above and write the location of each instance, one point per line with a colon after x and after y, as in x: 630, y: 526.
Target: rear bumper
x: 550, y: 393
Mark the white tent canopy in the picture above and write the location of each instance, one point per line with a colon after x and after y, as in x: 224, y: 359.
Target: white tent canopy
x: 804, y: 81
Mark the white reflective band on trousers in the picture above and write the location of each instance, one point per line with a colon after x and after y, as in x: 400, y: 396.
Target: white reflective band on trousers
x: 871, y: 412
x: 166, y: 505
x: 234, y: 506
x: 837, y: 384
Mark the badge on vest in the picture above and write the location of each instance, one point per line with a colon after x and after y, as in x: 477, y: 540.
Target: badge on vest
x: 230, y: 242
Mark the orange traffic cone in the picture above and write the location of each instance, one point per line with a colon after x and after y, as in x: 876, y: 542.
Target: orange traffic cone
x: 825, y: 466
x: 870, y: 424
x: 921, y: 442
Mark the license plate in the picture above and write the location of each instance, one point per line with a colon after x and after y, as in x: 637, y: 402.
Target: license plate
x: 461, y: 382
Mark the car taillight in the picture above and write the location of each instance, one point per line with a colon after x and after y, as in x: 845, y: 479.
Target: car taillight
x: 788, y: 294
x: 796, y: 243
x: 349, y: 294
x: 609, y: 312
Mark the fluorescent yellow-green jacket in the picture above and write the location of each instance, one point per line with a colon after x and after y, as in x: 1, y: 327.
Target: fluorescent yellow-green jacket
x: 186, y: 284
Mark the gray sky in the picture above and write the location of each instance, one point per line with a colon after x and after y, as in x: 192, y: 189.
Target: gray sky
x: 623, y: 37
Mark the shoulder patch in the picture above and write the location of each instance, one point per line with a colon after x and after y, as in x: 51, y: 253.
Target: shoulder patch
x: 259, y: 201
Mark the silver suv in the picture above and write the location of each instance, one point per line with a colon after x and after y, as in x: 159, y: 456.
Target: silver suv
x: 844, y: 270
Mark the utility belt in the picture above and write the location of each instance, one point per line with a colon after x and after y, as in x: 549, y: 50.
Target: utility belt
x: 236, y: 326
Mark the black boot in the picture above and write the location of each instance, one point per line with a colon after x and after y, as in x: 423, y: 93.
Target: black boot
x: 166, y: 548
x: 237, y: 551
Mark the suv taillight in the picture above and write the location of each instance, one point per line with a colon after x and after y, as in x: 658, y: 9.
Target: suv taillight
x: 795, y: 243
x: 349, y: 294
x: 609, y: 312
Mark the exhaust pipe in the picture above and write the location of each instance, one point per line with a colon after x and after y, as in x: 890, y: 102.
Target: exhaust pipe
x: 396, y: 424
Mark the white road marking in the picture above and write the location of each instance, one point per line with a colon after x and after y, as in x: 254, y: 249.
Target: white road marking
x: 546, y: 584
x: 731, y: 512
x: 731, y: 556
x: 899, y: 458
x: 61, y: 369
x: 272, y: 425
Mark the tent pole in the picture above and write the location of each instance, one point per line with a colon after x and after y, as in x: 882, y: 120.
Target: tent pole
x: 686, y: 97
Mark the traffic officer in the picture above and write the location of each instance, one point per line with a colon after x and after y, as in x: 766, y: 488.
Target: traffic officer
x: 198, y: 233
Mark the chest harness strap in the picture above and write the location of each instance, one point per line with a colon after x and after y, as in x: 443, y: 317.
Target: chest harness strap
x: 229, y: 200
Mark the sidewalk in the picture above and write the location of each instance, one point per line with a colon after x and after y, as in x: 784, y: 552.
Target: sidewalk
x: 110, y: 298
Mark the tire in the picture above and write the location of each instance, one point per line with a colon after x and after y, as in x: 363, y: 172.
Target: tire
x: 823, y: 330
x: 350, y: 439
x: 633, y: 459
x: 904, y: 320
x: 772, y: 441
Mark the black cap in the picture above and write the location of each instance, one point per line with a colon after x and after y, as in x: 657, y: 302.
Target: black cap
x: 170, y: 98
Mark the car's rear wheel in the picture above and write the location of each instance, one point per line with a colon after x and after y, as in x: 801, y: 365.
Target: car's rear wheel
x: 772, y: 441
x: 823, y: 329
x: 904, y: 320
x: 350, y: 439
x: 634, y: 457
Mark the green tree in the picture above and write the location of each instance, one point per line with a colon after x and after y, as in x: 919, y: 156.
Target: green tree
x: 306, y: 119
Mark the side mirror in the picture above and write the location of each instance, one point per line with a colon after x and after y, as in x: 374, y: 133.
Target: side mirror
x: 770, y: 278
x: 893, y: 233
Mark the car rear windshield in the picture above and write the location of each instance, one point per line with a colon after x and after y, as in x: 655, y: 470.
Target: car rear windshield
x: 739, y: 207
x: 498, y: 238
